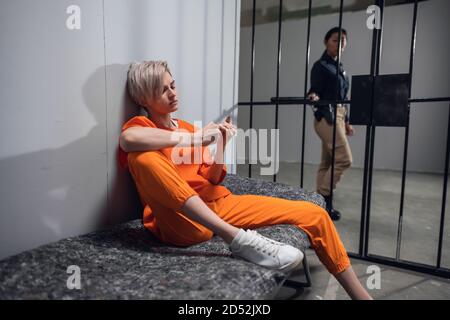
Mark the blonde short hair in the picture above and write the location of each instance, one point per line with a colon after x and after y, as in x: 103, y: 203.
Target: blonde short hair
x: 145, y: 80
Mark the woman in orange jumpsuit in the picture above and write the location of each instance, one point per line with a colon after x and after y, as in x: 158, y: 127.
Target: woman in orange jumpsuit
x: 184, y: 202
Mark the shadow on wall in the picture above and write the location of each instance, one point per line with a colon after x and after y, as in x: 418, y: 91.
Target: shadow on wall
x: 55, y: 193
x: 123, y: 203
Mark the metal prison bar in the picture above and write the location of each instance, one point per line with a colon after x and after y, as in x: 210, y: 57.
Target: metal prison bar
x: 377, y: 38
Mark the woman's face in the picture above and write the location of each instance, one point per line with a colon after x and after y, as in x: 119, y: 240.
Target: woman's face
x: 333, y: 44
x: 167, y: 102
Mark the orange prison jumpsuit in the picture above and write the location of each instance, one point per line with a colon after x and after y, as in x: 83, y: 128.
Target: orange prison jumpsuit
x: 164, y: 187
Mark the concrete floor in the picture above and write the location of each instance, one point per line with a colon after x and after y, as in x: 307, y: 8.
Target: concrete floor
x: 395, y: 284
x: 420, y: 231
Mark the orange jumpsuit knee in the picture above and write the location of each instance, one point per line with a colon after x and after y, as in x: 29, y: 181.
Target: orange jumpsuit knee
x: 163, y: 192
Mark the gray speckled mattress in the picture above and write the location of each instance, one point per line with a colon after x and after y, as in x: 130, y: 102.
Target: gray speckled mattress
x: 128, y: 262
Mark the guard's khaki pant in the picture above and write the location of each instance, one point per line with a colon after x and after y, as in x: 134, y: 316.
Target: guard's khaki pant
x: 343, y: 154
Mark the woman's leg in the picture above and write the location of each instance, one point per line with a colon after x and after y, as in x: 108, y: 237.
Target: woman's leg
x: 175, y: 212
x: 352, y: 285
x: 197, y: 210
x: 252, y: 211
x: 180, y: 217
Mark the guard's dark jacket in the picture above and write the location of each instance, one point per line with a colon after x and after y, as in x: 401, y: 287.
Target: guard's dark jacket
x: 323, y: 83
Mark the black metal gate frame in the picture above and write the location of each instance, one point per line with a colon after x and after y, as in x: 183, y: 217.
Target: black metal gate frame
x: 377, y: 38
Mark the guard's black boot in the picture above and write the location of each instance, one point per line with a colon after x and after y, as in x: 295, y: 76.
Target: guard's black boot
x: 334, y: 214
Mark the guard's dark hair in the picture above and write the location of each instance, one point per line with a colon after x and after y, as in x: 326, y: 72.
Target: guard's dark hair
x: 334, y: 30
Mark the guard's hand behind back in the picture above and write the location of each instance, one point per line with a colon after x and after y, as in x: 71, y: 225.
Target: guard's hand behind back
x: 313, y: 97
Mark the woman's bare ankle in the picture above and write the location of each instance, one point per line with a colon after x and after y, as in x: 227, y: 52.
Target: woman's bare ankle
x: 228, y: 234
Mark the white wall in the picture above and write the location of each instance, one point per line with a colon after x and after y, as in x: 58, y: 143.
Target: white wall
x: 428, y: 126
x: 64, y: 101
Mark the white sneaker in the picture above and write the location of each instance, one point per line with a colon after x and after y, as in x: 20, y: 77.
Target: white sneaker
x: 252, y: 246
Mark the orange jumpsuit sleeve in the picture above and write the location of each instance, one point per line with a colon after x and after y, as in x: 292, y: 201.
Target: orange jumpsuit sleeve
x: 206, y: 166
